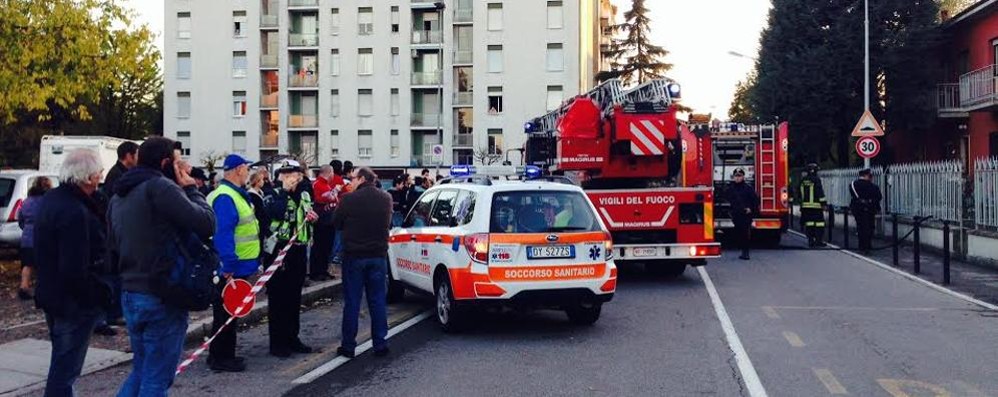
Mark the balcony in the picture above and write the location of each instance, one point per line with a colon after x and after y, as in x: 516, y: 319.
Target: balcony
x: 425, y: 120
x: 463, y: 57
x: 303, y: 121
x: 464, y: 98
x: 268, y: 61
x: 303, y: 80
x: 464, y: 141
x: 948, y: 100
x: 269, y: 140
x: 427, y: 78
x: 269, y: 101
x: 303, y: 40
x: 303, y: 3
x: 427, y: 37
x: 978, y: 89
x: 269, y: 21
x: 464, y: 15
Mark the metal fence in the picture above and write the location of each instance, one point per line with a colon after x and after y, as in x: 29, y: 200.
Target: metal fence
x: 986, y: 193
x: 917, y: 189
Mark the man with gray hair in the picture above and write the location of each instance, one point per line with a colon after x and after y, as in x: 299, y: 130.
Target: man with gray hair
x: 69, y: 250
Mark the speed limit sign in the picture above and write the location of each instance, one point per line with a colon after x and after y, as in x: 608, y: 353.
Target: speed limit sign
x: 868, y: 147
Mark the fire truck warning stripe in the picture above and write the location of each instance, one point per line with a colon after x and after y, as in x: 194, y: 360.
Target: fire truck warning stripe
x: 641, y: 136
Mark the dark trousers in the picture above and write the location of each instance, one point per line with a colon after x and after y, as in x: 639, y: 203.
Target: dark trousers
x: 284, y: 292
x: 364, y: 276
x: 865, y: 221
x: 813, y: 222
x: 224, y: 346
x: 70, y: 334
x: 743, y: 233
x: 322, y: 245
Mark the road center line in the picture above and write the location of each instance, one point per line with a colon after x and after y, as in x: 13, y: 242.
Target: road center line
x: 337, y: 361
x: 770, y: 312
x: 751, y: 378
x: 793, y: 339
x: 829, y: 380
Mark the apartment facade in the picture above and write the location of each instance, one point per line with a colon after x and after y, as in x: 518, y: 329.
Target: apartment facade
x: 378, y: 82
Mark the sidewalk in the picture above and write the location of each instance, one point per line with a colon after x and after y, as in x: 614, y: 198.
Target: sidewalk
x: 975, y: 280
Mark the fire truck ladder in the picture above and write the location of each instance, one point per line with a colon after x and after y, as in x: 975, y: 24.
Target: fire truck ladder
x: 655, y: 92
x: 606, y: 95
x: 766, y: 174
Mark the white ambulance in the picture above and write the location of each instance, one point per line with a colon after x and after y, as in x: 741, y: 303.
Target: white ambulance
x: 481, y: 239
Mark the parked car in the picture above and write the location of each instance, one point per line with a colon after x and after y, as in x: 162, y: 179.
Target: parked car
x: 14, y: 186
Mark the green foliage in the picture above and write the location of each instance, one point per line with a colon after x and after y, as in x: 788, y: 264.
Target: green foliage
x: 635, y: 59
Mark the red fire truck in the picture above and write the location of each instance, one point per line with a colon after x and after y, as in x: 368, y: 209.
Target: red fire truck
x: 760, y: 150
x: 649, y: 178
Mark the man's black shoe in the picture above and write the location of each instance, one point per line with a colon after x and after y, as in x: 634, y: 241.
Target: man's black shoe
x: 344, y: 352
x: 280, y: 353
x: 235, y: 364
x: 320, y: 278
x: 744, y: 257
x: 105, y: 330
x: 301, y: 348
x: 24, y: 295
x: 382, y: 352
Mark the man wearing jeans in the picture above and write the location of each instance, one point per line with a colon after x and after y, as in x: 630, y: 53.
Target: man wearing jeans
x: 364, y: 218
x: 155, y: 206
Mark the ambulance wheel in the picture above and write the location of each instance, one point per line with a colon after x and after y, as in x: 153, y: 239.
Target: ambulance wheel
x: 667, y: 269
x: 449, y: 314
x: 396, y: 291
x: 584, y: 313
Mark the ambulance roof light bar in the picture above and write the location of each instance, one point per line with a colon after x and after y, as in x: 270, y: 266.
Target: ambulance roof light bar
x: 464, y: 171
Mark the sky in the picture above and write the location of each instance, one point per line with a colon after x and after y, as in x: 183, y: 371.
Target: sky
x: 699, y: 34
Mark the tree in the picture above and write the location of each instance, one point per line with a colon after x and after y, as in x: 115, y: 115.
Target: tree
x: 635, y: 59
x: 210, y: 160
x: 741, y: 110
x: 485, y: 156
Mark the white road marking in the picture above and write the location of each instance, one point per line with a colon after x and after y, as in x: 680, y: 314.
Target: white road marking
x: 24, y: 325
x: 770, y: 312
x: 752, y: 382
x: 829, y: 380
x: 911, y: 277
x: 861, y: 308
x: 793, y: 339
x: 336, y: 362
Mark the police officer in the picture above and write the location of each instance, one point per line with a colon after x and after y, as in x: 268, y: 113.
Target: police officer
x: 744, y: 205
x: 865, y: 205
x: 812, y: 207
x: 237, y: 241
x: 290, y: 207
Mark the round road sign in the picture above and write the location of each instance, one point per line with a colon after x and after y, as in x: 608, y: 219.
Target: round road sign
x: 868, y: 147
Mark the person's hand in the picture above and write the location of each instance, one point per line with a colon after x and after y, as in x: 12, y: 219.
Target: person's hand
x: 183, y: 174
x: 289, y: 182
x: 227, y: 276
x: 311, y: 216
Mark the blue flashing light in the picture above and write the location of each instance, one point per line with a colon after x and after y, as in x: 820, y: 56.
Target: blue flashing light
x: 675, y: 90
x: 461, y: 170
x: 532, y: 127
x: 532, y: 172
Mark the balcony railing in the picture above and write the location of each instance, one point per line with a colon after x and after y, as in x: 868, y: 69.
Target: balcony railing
x: 463, y: 15
x: 426, y: 78
x: 268, y: 60
x: 978, y: 88
x: 269, y: 101
x: 303, y: 80
x: 463, y: 56
x: 303, y: 3
x: 464, y: 98
x: 269, y: 140
x: 948, y: 98
x: 303, y: 40
x: 427, y: 37
x: 464, y: 140
x: 303, y: 121
x: 269, y: 21
x: 425, y: 120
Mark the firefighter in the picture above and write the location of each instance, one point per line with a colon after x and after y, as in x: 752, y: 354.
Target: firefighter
x: 865, y: 205
x: 812, y: 207
x: 744, y: 205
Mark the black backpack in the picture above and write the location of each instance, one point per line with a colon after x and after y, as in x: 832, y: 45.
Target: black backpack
x: 192, y: 278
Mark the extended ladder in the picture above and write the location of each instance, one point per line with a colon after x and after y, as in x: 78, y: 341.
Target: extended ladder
x: 766, y: 174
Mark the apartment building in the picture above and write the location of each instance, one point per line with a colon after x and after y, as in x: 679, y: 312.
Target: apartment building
x: 378, y: 82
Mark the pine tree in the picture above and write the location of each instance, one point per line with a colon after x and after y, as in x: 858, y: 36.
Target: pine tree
x: 635, y: 59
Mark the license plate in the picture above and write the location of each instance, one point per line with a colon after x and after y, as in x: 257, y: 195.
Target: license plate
x: 551, y: 252
x: 645, y: 252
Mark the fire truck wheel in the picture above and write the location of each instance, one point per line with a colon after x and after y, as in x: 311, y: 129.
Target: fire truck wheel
x: 667, y: 269
x: 396, y: 291
x: 584, y: 313
x: 449, y: 314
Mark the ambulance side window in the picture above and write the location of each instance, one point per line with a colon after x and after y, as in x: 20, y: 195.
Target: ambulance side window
x: 465, y: 208
x: 443, y: 209
x: 420, y: 214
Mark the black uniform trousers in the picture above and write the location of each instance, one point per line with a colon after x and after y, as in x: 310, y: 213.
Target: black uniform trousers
x: 284, y: 293
x: 865, y: 223
x: 743, y: 232
x: 224, y: 346
x: 322, y: 246
x: 813, y: 223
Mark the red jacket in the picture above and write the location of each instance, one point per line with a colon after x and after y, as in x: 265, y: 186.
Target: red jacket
x: 326, y: 192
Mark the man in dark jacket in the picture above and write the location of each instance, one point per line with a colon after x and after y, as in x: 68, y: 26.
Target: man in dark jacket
x: 744, y: 205
x: 865, y: 206
x: 149, y: 215
x: 69, y: 250
x: 364, y: 218
x: 128, y: 155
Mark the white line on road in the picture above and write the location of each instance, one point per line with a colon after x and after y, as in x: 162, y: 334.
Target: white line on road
x: 829, y: 380
x: 745, y: 367
x: 911, y: 277
x: 793, y: 339
x: 24, y: 325
x: 770, y: 312
x: 336, y: 362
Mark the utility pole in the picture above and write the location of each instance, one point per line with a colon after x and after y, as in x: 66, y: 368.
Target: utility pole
x: 866, y: 68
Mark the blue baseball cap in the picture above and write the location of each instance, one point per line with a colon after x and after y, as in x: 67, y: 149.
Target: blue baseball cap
x: 233, y: 161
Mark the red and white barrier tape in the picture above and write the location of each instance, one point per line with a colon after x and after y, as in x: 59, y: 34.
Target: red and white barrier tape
x: 257, y: 287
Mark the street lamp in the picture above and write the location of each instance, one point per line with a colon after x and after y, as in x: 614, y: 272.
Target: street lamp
x: 740, y: 55
x: 440, y: 6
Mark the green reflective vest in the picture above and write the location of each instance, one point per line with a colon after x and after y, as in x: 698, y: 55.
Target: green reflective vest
x: 811, y: 195
x: 247, y: 233
x: 296, y: 212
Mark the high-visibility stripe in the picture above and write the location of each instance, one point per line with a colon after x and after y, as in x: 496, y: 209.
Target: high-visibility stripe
x: 641, y: 136
x: 542, y: 238
x: 547, y: 273
x: 655, y: 132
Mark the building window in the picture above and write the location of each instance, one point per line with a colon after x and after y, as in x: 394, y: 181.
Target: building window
x: 334, y: 100
x: 239, y: 23
x: 183, y: 105
x: 395, y: 19
x: 239, y: 142
x: 238, y: 103
x: 495, y: 59
x: 238, y: 63
x: 334, y: 143
x: 183, y: 65
x: 183, y: 25
x: 184, y: 137
x: 495, y: 16
x: 555, y: 18
x: 365, y: 21
x: 556, y: 57
x: 495, y: 100
x: 365, y: 143
x: 396, y: 65
x: 334, y: 23
x: 993, y: 144
x: 396, y: 150
x: 555, y: 97
x: 365, y: 61
x: 495, y: 141
x: 395, y: 102
x: 334, y: 62
x: 365, y: 102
